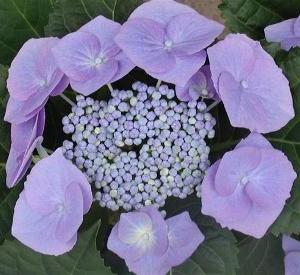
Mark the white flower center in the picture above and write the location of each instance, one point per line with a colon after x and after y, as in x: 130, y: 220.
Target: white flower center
x: 60, y: 207
x: 204, y: 92
x: 42, y: 83
x: 244, y: 180
x: 168, y: 44
x: 142, y: 237
x: 98, y: 61
x: 244, y: 84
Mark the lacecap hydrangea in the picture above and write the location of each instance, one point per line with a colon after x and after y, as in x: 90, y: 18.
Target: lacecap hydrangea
x: 147, y: 143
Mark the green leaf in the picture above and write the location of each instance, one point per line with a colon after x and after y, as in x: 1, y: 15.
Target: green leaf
x: 15, y: 258
x: 261, y: 256
x: 8, y: 197
x: 217, y: 254
x: 252, y: 16
x: 19, y: 21
x: 70, y: 15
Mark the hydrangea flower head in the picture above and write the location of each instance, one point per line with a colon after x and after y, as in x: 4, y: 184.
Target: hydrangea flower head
x: 291, y: 249
x: 254, y: 176
x: 50, y: 210
x: 90, y: 57
x: 151, y: 245
x: 24, y: 138
x: 255, y: 93
x: 33, y: 77
x: 200, y: 85
x: 166, y: 39
x: 287, y: 33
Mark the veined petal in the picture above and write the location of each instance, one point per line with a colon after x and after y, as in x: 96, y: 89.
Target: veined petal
x: 77, y: 55
x: 223, y: 208
x: 37, y: 231
x: 255, y: 140
x: 234, y: 169
x: 143, y: 40
x: 34, y: 70
x: 191, y: 33
x: 233, y: 55
x: 104, y: 74
x: 270, y: 183
x: 280, y: 31
x: 71, y: 213
x: 292, y: 263
x: 44, y: 193
x: 161, y: 11
x: 184, y: 238
x: 289, y: 244
x: 185, y: 68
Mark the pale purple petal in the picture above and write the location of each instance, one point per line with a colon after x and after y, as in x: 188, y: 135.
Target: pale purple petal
x: 43, y: 195
x: 251, y: 102
x: 186, y: 67
x: 128, y: 226
x: 143, y: 42
x: 292, y: 263
x: 34, y: 70
x: 255, y: 140
x: 232, y: 171
x: 161, y: 11
x: 21, y: 111
x: 280, y: 31
x: 104, y: 75
x: 37, y: 231
x: 220, y: 207
x: 160, y: 230
x: 272, y: 180
x: 184, y: 238
x: 76, y: 55
x: 71, y: 213
x: 290, y: 245
x: 24, y: 138
x: 192, y: 32
x: 106, y: 30
x: 194, y: 88
x: 232, y: 55
x: 61, y: 86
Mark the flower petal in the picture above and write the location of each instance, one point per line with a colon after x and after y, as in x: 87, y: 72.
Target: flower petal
x: 234, y: 168
x: 184, y: 238
x: 270, y: 183
x: 186, y: 67
x: 192, y: 32
x: 34, y: 70
x: 255, y: 140
x: 105, y: 73
x: 61, y: 86
x: 37, y: 231
x: 43, y: 193
x: 71, y: 213
x: 289, y: 244
x: 161, y: 11
x: 76, y: 53
x: 143, y: 40
x: 233, y: 55
x: 292, y: 263
x: 223, y: 209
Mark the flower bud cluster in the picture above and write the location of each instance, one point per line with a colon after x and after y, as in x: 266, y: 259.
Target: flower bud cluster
x: 141, y: 146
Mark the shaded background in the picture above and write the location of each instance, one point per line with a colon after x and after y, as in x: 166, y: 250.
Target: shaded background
x: 208, y: 8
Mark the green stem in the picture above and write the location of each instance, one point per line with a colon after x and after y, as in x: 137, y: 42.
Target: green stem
x: 158, y: 84
x: 110, y: 87
x: 171, y: 271
x: 68, y: 100
x: 42, y: 152
x: 211, y: 106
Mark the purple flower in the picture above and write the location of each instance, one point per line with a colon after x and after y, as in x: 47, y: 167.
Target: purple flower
x: 50, y: 209
x: 24, y: 138
x: 166, y: 39
x: 255, y: 93
x: 90, y: 57
x: 291, y: 249
x: 33, y: 77
x: 151, y: 245
x: 246, y: 190
x: 287, y: 33
x: 200, y: 85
